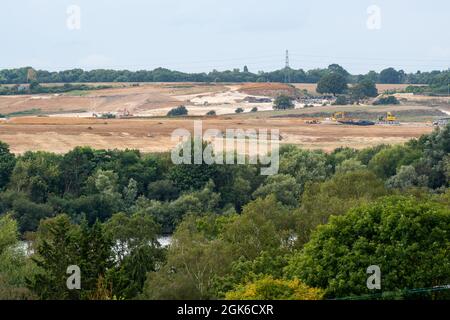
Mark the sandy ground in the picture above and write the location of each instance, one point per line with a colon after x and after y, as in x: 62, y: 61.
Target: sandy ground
x: 154, y: 135
x: 70, y: 123
x: 138, y: 100
x: 156, y: 99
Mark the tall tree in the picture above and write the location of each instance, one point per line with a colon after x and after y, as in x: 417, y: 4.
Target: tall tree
x: 333, y: 83
x: 408, y: 239
x: 7, y: 163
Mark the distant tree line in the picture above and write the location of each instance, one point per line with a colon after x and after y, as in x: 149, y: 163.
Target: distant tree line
x: 389, y: 75
x: 35, y: 88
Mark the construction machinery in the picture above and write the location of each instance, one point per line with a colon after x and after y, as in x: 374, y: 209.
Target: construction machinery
x: 312, y: 122
x: 340, y: 118
x: 125, y: 113
x: 388, y: 119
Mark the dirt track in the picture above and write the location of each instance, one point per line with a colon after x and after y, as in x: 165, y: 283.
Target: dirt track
x: 154, y: 135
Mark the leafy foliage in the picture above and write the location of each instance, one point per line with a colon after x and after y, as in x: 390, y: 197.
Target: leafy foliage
x: 275, y: 289
x: 388, y: 100
x: 178, y: 111
x: 333, y: 83
x: 320, y: 220
x: 283, y: 102
x: 408, y: 239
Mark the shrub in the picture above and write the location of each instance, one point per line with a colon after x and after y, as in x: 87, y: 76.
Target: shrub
x: 341, y: 101
x: 178, y: 111
x: 269, y: 288
x: 386, y: 100
x: 283, y: 102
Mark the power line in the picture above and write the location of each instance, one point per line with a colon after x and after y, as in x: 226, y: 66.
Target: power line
x: 397, y: 293
x: 270, y: 60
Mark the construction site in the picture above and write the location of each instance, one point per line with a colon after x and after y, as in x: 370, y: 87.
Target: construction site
x: 134, y: 116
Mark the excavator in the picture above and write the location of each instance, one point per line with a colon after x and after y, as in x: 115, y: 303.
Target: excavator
x: 389, y: 119
x: 338, y: 116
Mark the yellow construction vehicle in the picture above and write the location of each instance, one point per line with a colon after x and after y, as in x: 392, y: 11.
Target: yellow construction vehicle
x: 338, y: 116
x: 389, y: 119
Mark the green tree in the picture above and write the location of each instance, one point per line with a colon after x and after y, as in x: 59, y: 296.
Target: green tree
x: 179, y: 111
x: 7, y: 163
x: 95, y: 257
x: 405, y: 178
x: 386, y: 162
x: 364, y: 89
x: 163, y: 190
x: 333, y: 83
x: 284, y: 187
x: 204, y: 248
x: 335, y: 68
x: 350, y: 165
x: 390, y: 75
x: 61, y: 244
x: 130, y: 192
x: 263, y: 225
x: 29, y: 214
x: 14, y: 265
x: 283, y: 102
x: 129, y: 233
x: 76, y: 166
x: 193, y: 263
x: 335, y: 197
x: 193, y: 176
x: 447, y: 168
x: 408, y: 239
x: 8, y: 233
x: 341, y: 100
x: 56, y: 250
x: 304, y: 166
x: 37, y: 174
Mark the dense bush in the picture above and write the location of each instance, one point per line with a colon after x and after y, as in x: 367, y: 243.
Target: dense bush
x: 283, y: 102
x: 178, y: 111
x: 341, y: 101
x: 408, y: 239
x: 386, y: 101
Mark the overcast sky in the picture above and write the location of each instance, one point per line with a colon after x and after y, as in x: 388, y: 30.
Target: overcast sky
x: 201, y: 35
